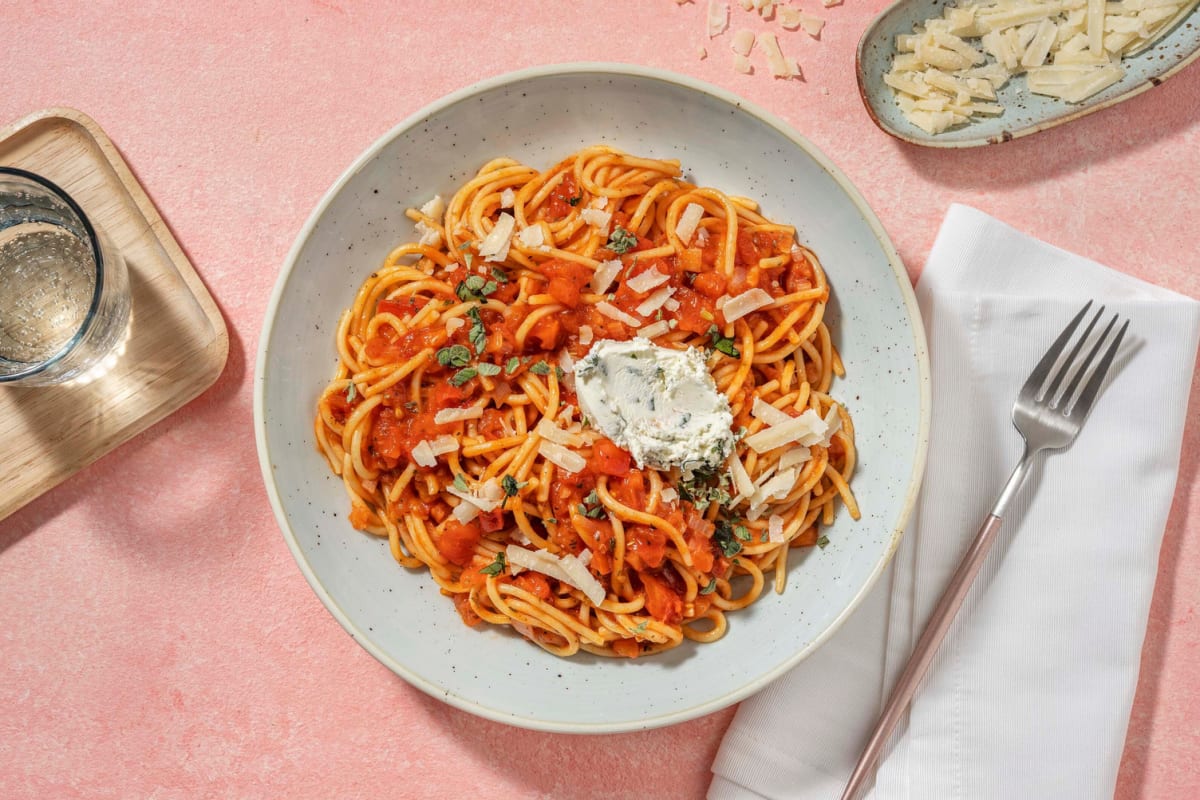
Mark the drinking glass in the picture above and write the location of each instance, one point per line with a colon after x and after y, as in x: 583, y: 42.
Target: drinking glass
x: 64, y: 289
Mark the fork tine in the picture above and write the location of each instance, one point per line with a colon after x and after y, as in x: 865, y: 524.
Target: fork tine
x: 1083, y: 405
x: 1065, y: 403
x: 1038, y: 377
x: 1052, y: 390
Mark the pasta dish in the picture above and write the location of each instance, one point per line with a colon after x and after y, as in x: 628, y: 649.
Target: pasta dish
x: 593, y: 402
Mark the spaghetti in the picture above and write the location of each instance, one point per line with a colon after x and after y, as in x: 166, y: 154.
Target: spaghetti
x: 453, y: 420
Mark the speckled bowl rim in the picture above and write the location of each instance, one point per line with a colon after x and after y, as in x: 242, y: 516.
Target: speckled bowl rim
x: 362, y: 637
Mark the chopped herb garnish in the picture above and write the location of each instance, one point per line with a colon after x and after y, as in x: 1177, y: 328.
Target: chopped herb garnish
x: 496, y: 567
x: 558, y: 372
x: 463, y: 375
x: 477, y: 335
x: 411, y: 406
x: 722, y: 344
x: 512, y: 365
x: 621, y: 241
x: 741, y: 532
x: 540, y: 368
x: 454, y: 356
x: 710, y: 588
x: 351, y: 392
x: 591, y: 506
x: 488, y: 370
x: 465, y: 246
x: 641, y: 627
x: 574, y: 201
x: 823, y: 542
x: 726, y: 540
x: 511, y: 486
x: 500, y: 275
x: 474, y: 287
x: 460, y: 482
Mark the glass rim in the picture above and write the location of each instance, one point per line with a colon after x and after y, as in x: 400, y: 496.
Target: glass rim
x: 97, y: 292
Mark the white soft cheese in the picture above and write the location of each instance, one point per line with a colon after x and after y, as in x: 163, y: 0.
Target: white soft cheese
x: 659, y: 404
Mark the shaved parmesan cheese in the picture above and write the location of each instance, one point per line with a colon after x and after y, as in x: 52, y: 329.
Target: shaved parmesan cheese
x: 443, y: 444
x: 552, y: 433
x: 768, y: 413
x: 775, y: 529
x: 533, y: 237
x: 567, y: 569
x: 936, y: 71
x: 833, y: 423
x: 655, y: 301
x: 612, y: 312
x: 645, y: 281
x: 807, y: 429
x: 434, y: 207
x: 464, y: 512
x: 655, y: 329
x: 561, y: 456
x: 742, y: 64
x: 746, y: 302
x: 741, y: 478
x: 795, y: 457
x: 453, y: 324
x: 585, y: 334
x: 789, y: 17
x: 688, y: 221
x: 491, y: 491
x: 780, y: 67
x: 447, y: 415
x: 743, y: 43
x: 718, y: 18
x: 430, y: 237
x: 585, y: 557
x: 669, y: 495
x: 494, y: 246
x: 671, y: 305
x: 597, y: 218
x: 603, y: 277
x: 422, y: 453
x: 779, y: 486
x: 508, y: 198
x: 484, y: 504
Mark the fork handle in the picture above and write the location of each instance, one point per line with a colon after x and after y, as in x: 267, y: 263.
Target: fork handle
x: 923, y: 654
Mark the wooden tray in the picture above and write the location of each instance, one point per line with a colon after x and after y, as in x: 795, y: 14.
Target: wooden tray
x: 177, y: 341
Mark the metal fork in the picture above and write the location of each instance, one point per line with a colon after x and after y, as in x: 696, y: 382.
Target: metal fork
x: 1047, y: 419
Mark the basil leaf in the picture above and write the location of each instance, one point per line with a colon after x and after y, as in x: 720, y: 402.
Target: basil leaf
x: 496, y: 567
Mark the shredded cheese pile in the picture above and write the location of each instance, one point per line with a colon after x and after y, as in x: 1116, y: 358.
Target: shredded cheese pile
x: 947, y: 72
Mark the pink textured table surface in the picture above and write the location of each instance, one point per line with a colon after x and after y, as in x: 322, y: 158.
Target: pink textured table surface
x: 157, y: 637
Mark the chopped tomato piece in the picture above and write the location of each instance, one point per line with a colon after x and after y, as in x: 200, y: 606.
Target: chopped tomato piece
x: 490, y: 521
x: 609, y: 459
x: 339, y: 406
x: 546, y: 332
x: 710, y: 284
x: 457, y: 542
x: 663, y: 604
x: 628, y: 648
x: 567, y: 281
x: 462, y: 604
x: 598, y: 535
x: 630, y: 490
x: 702, y: 553
x: 697, y: 313
x: 360, y: 517
x: 806, y: 538
x: 535, y: 583
x: 559, y: 204
x: 645, y: 547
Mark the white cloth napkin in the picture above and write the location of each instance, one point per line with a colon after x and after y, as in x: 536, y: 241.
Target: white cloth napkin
x: 1030, y: 694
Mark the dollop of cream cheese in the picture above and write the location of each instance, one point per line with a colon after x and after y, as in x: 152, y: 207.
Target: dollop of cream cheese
x: 661, y: 405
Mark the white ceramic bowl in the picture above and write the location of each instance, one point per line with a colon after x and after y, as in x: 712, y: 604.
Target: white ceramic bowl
x: 539, y: 116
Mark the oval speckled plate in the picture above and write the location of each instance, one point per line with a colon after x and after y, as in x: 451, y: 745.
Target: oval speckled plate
x: 540, y: 116
x: 1025, y: 112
